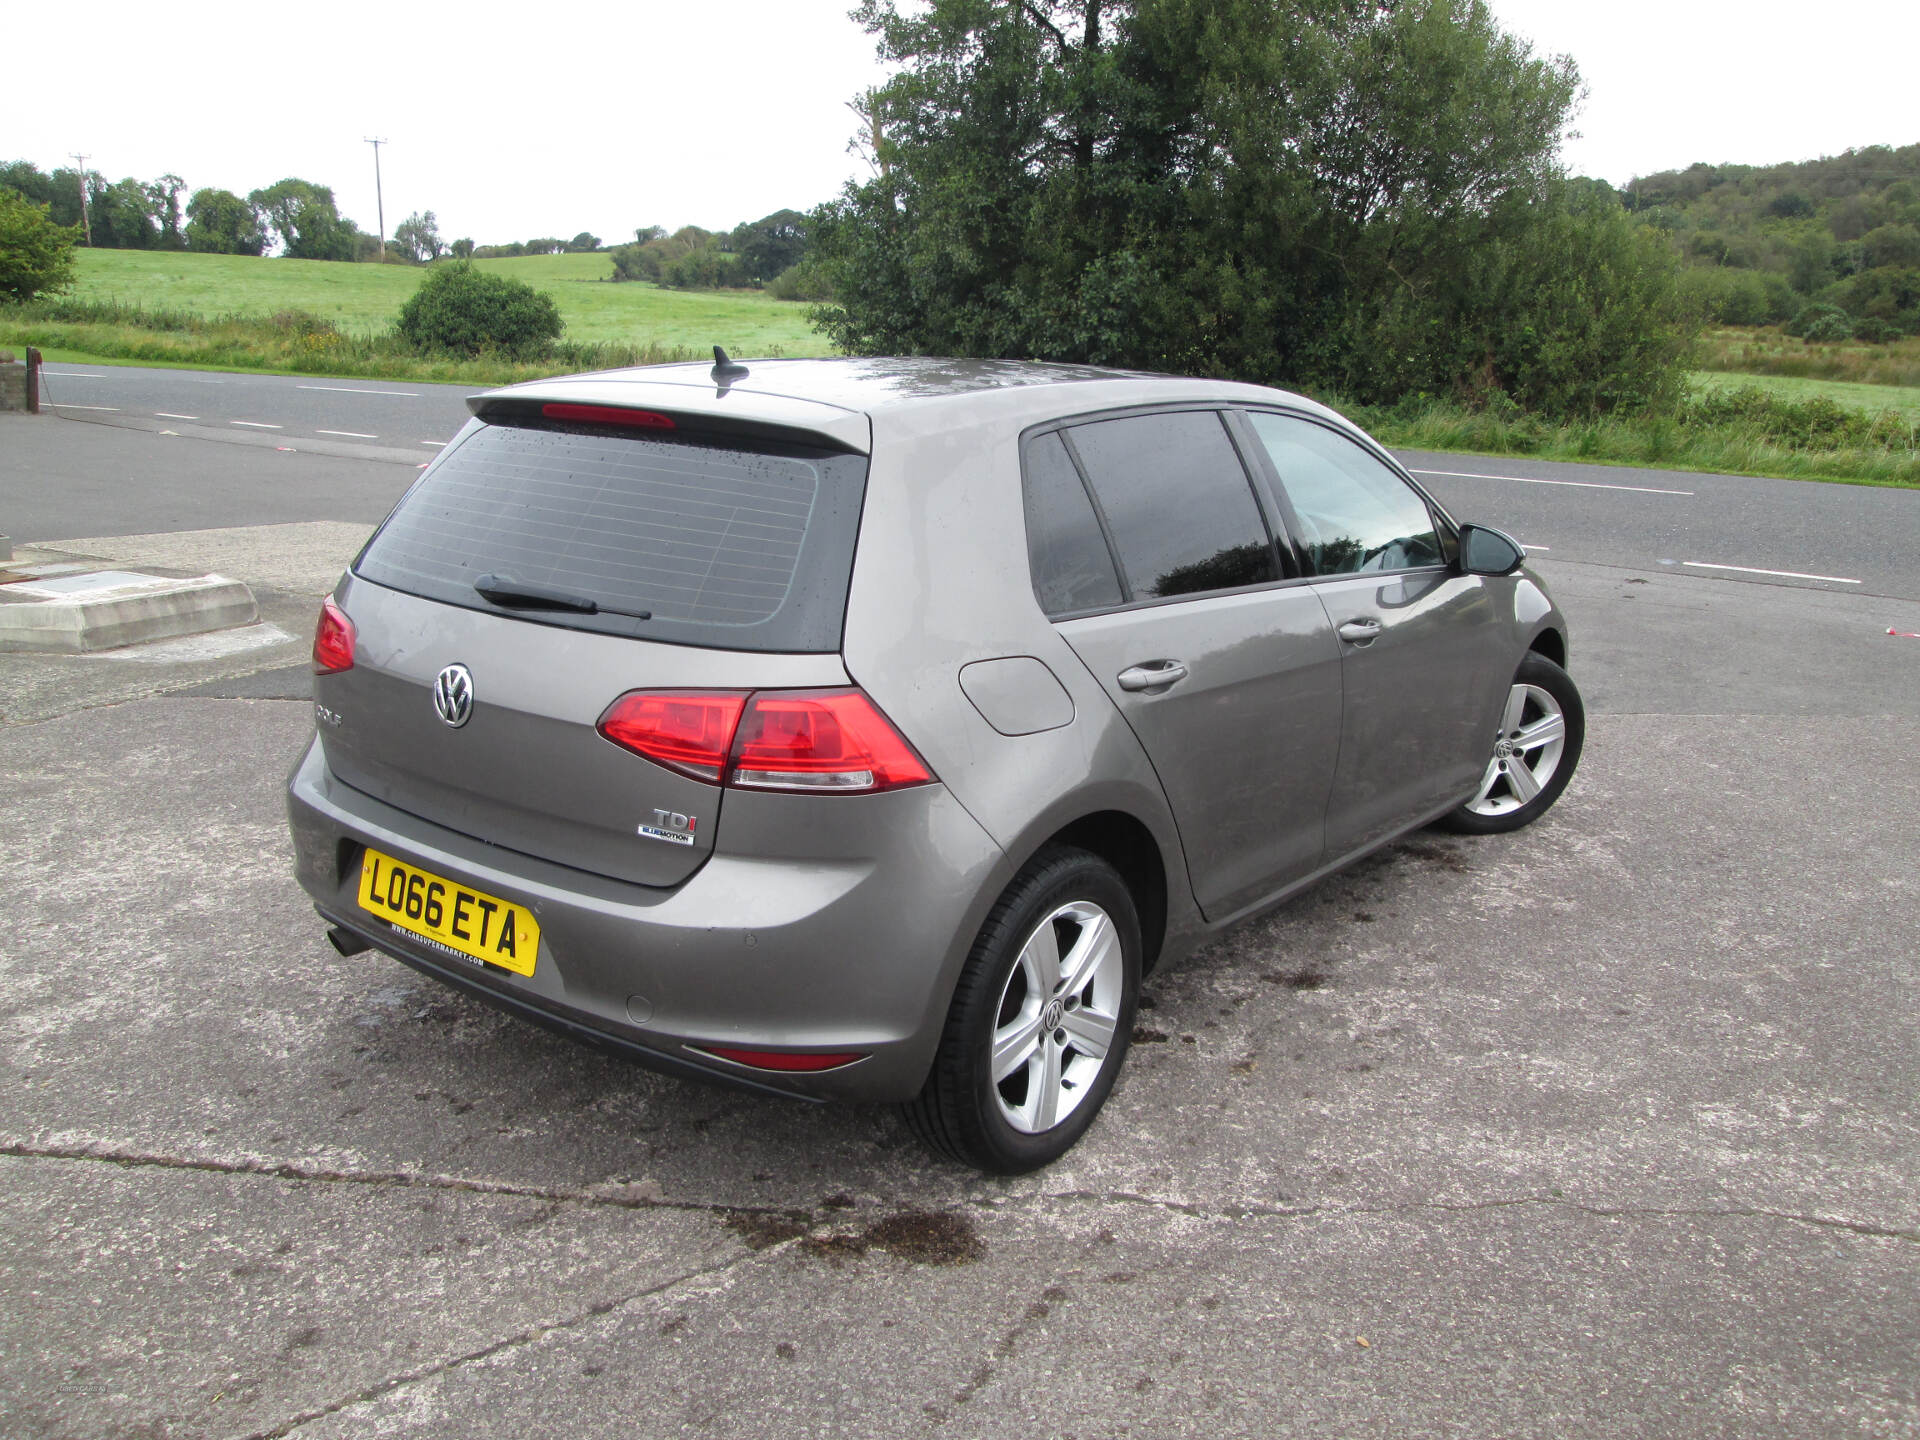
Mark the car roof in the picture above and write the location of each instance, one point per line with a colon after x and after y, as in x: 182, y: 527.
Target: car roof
x: 834, y: 396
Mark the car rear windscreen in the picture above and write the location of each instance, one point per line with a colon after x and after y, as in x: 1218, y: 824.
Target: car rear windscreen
x: 725, y: 545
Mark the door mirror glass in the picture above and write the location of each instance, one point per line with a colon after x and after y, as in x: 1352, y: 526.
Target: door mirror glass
x: 1485, y: 551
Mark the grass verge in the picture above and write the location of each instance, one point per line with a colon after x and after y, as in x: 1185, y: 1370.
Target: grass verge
x: 288, y: 343
x: 1742, y: 432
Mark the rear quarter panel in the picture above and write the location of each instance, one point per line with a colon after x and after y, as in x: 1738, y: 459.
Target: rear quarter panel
x: 941, y: 580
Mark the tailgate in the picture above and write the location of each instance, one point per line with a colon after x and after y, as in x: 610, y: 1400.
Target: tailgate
x: 527, y: 770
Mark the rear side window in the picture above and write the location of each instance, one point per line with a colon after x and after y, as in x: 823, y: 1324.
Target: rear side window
x: 1072, y: 567
x: 719, y: 545
x: 1178, y: 503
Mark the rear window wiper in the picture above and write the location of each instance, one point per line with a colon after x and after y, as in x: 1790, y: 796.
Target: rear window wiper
x: 512, y: 594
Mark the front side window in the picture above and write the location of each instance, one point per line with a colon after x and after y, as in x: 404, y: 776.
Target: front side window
x: 1354, y: 514
x: 1177, y: 503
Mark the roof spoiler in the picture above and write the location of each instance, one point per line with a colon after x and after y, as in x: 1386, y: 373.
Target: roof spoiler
x: 670, y: 413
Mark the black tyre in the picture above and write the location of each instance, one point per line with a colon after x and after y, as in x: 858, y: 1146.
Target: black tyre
x: 1542, y: 730
x: 1041, y: 1018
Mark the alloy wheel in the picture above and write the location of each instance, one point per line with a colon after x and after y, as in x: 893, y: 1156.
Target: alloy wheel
x: 1056, y: 1018
x: 1526, y: 752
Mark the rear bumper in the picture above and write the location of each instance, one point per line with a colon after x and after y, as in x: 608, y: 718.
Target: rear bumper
x: 775, y: 944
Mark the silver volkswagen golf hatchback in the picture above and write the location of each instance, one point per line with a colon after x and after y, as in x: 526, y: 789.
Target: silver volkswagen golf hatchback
x: 866, y: 729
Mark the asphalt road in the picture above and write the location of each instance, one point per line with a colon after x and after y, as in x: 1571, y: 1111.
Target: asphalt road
x: 1729, y: 527
x: 289, y: 408
x: 1608, y: 1128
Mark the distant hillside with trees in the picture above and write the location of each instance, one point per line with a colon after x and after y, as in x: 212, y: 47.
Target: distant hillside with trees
x: 1830, y: 247
x: 298, y: 217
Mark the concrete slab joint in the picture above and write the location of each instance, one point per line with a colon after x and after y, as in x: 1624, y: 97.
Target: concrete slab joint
x: 79, y: 614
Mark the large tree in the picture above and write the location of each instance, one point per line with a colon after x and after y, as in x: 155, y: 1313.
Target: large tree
x: 219, y: 222
x: 418, y: 237
x: 121, y: 214
x: 163, y: 198
x: 769, y: 246
x: 302, y: 217
x: 1315, y: 191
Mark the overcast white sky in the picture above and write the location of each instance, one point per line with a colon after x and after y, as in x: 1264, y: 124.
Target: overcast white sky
x: 511, y: 121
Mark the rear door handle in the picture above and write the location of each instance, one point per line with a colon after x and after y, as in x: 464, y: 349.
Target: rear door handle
x: 1152, y: 675
x: 1360, y: 632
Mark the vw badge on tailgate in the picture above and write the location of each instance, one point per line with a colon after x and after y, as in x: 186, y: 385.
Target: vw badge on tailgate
x: 453, y: 695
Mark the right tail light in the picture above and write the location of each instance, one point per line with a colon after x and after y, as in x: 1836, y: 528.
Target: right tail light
x: 822, y: 742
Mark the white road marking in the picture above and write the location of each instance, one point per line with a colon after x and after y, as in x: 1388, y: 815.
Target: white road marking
x: 1536, y: 547
x: 77, y: 374
x: 437, y: 444
x: 352, y: 434
x: 169, y: 415
x: 1530, y: 480
x: 1783, y: 574
x: 63, y: 405
x: 355, y: 390
x: 256, y: 424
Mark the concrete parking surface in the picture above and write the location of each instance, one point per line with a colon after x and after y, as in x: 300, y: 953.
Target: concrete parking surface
x: 1607, y: 1128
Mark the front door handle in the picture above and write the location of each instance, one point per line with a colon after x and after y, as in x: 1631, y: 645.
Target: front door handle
x: 1152, y: 675
x: 1360, y: 632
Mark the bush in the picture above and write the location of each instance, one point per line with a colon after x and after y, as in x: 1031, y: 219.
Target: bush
x: 1889, y: 293
x: 1728, y: 297
x: 1815, y: 424
x: 700, y: 270
x: 800, y: 282
x: 653, y: 250
x: 1828, y: 328
x: 1825, y: 317
x: 36, y: 255
x: 464, y: 311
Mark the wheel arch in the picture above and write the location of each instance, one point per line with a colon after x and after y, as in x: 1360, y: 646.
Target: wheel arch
x: 1550, y: 644
x: 1125, y: 843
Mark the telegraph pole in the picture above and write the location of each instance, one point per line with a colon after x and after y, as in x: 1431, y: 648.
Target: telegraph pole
x: 379, y: 201
x: 87, y: 223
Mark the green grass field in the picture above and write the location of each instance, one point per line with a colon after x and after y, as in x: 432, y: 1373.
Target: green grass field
x: 184, y: 297
x: 1902, y: 399
x: 363, y: 299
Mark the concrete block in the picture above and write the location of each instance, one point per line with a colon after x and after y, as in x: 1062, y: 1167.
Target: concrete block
x: 13, y: 387
x: 77, y: 614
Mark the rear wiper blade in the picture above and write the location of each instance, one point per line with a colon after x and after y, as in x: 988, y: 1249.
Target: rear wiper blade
x: 514, y: 594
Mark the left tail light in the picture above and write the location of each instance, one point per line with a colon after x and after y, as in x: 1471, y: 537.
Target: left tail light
x: 332, y: 640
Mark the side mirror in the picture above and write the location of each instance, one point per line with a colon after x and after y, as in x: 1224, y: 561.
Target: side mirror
x: 1485, y: 551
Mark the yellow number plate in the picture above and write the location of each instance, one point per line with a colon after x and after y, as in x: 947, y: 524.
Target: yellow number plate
x: 453, y: 917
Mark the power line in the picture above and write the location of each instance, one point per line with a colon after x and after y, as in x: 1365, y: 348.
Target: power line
x: 82, y: 174
x: 379, y: 200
